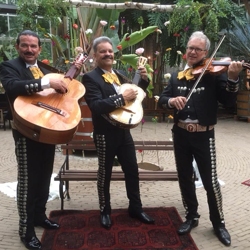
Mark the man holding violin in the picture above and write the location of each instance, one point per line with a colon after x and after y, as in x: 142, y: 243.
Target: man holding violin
x: 193, y: 131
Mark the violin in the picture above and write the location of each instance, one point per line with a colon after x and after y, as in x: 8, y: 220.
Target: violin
x: 215, y: 67
x: 210, y: 66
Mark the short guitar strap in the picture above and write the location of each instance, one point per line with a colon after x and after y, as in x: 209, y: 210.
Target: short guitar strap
x: 48, y: 67
x: 123, y: 77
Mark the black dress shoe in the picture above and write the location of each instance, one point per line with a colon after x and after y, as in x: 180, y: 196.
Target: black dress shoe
x: 32, y: 243
x: 223, y: 235
x: 141, y: 216
x: 47, y: 224
x: 106, y: 220
x: 187, y: 226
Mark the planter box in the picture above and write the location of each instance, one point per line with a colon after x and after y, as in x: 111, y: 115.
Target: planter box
x: 243, y: 104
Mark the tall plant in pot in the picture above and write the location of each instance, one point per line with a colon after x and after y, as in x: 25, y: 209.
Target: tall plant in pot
x: 238, y: 40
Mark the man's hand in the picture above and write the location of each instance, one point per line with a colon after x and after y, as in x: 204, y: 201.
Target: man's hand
x: 234, y: 70
x: 129, y: 94
x: 58, y: 84
x: 78, y: 64
x: 143, y: 72
x: 179, y: 102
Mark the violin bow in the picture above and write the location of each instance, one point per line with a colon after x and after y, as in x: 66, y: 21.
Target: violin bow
x: 205, y: 68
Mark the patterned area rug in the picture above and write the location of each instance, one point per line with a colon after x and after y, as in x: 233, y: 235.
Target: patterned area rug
x: 81, y: 230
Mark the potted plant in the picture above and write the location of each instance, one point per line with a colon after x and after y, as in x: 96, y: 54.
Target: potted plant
x: 238, y: 39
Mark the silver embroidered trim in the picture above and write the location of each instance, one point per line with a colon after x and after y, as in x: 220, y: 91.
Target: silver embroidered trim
x: 22, y: 189
x: 215, y: 182
x: 101, y: 153
x: 232, y: 87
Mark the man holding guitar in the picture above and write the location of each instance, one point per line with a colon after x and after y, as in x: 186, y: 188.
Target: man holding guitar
x: 111, y: 138
x: 35, y: 159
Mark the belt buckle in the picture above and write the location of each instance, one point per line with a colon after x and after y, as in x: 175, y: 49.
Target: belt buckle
x: 191, y: 127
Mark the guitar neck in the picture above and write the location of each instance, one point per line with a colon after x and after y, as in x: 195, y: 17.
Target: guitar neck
x: 71, y: 73
x: 141, y: 62
x: 137, y: 77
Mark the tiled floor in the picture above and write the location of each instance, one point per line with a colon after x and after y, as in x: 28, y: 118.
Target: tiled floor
x: 233, y: 158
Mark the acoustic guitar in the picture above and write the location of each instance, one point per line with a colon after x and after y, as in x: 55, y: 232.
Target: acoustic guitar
x: 130, y: 115
x: 48, y: 116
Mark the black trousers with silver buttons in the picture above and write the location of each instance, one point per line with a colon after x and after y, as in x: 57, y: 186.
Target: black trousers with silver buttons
x: 35, y: 165
x: 201, y: 147
x: 117, y: 142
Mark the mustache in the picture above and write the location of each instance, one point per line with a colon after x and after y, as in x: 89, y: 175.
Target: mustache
x: 108, y: 57
x: 28, y: 54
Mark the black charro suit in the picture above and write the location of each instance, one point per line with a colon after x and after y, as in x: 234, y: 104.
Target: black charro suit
x: 204, y: 101
x: 111, y: 140
x: 202, y: 106
x: 35, y: 160
x: 18, y: 80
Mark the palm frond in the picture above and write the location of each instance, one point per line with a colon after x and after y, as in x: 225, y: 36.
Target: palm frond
x: 158, y: 19
x: 59, y: 43
x: 238, y: 38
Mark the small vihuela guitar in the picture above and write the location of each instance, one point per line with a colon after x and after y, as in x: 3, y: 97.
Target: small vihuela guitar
x: 48, y: 116
x: 130, y: 115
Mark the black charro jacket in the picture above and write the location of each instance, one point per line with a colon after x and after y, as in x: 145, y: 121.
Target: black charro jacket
x: 101, y: 96
x: 203, y: 103
x: 18, y: 80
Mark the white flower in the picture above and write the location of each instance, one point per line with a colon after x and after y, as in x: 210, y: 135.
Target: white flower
x: 179, y: 52
x: 103, y: 23
x: 78, y: 50
x: 167, y: 76
x: 89, y: 31
x: 139, y: 51
x: 114, y: 62
x: 167, y: 23
x: 159, y: 31
x: 156, y: 98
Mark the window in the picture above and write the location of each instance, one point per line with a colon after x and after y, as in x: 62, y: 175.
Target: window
x: 8, y: 2
x: 9, y: 29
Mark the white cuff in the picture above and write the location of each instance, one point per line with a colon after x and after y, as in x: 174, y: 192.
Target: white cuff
x: 45, y: 83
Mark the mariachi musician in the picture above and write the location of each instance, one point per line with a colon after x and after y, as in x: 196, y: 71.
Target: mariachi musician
x: 193, y: 131
x: 22, y: 76
x: 111, y: 139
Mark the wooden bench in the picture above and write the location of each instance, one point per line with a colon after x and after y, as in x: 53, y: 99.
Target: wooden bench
x: 65, y: 174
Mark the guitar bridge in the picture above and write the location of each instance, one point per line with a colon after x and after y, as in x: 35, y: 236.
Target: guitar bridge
x: 49, y: 107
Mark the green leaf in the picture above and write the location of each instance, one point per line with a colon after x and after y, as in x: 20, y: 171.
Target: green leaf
x: 60, y: 44
x: 136, y: 37
x: 110, y: 15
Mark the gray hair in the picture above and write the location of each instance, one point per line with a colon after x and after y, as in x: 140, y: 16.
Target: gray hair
x: 101, y: 39
x: 201, y: 35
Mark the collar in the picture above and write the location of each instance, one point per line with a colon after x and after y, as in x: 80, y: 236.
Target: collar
x: 30, y: 65
x: 106, y: 71
x: 187, y: 67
